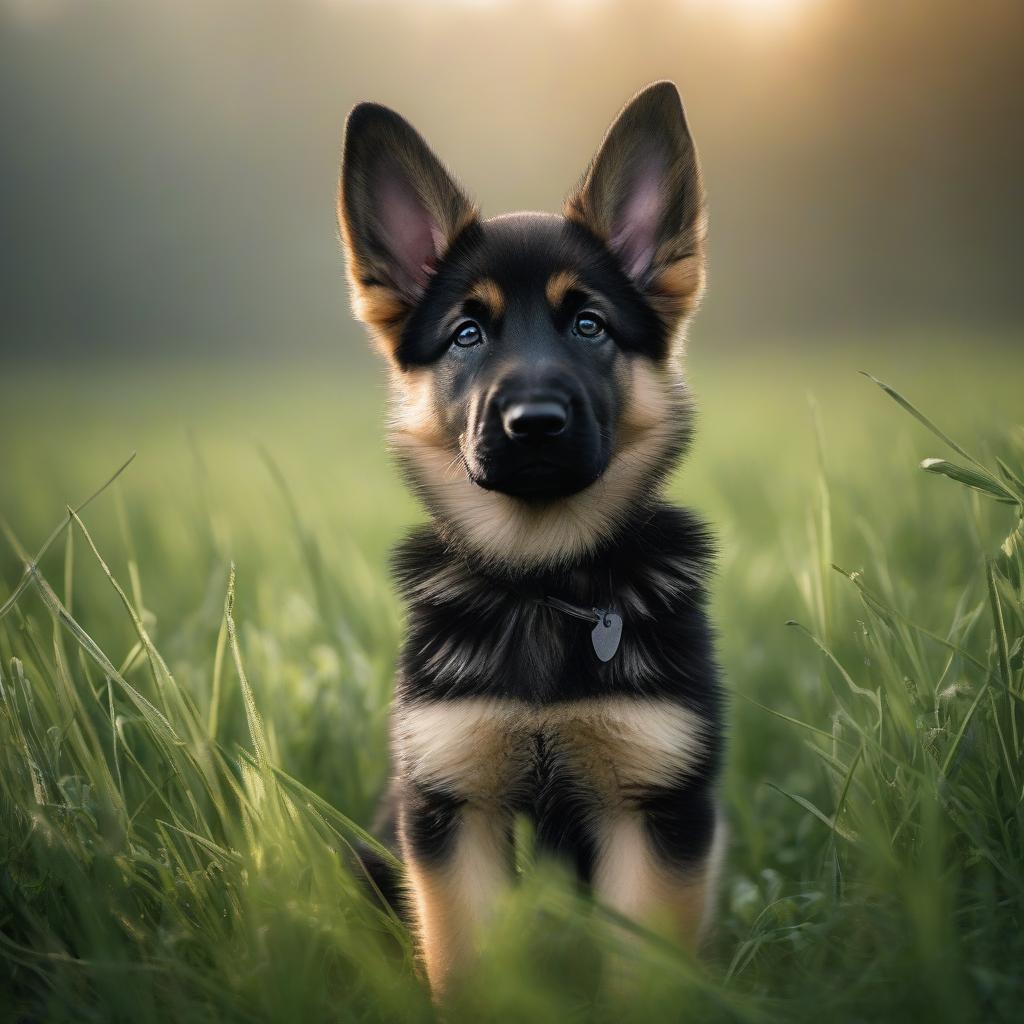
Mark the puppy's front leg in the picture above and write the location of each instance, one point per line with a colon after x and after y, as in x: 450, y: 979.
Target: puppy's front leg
x: 660, y: 868
x: 459, y: 861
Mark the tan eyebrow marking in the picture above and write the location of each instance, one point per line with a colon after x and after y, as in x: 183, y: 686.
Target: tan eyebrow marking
x: 487, y: 292
x: 560, y: 282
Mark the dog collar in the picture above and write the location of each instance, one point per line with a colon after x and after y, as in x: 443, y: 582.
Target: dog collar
x: 607, y: 632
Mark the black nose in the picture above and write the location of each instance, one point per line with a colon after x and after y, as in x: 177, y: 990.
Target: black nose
x: 535, y: 421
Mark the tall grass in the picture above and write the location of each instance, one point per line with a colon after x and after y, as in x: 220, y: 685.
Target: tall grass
x: 158, y: 862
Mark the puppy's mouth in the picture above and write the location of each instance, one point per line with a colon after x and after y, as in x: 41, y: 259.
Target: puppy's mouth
x: 537, y: 480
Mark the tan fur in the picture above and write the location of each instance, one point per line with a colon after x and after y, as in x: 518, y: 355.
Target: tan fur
x: 560, y: 282
x: 383, y: 311
x: 479, y: 748
x: 470, y: 747
x: 503, y: 528
x: 453, y: 904
x: 413, y: 409
x: 630, y: 878
x: 488, y: 292
x: 675, y: 292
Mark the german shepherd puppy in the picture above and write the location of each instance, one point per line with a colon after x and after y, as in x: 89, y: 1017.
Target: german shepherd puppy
x: 558, y: 661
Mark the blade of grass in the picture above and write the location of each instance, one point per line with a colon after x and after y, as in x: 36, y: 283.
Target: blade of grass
x: 860, y: 691
x: 969, y: 478
x: 58, y: 530
x: 252, y: 714
x: 819, y: 814
x: 923, y: 420
x: 795, y: 721
x: 1002, y: 648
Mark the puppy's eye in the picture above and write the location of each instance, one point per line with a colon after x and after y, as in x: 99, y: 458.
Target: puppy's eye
x: 467, y: 334
x: 588, y: 325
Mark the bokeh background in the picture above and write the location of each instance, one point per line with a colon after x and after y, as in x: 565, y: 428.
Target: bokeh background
x: 171, y: 284
x: 169, y: 167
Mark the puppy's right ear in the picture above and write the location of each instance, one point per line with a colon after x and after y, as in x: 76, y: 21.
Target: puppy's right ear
x: 399, y: 211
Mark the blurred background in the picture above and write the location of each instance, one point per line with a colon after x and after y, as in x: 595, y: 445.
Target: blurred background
x: 168, y: 168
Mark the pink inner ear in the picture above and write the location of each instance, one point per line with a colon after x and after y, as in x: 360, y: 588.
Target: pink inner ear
x: 412, y: 236
x: 635, y: 230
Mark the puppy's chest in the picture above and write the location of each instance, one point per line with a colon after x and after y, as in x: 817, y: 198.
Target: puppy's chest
x: 500, y: 751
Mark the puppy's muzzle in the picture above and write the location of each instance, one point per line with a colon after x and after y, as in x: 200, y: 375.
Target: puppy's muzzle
x: 535, y: 439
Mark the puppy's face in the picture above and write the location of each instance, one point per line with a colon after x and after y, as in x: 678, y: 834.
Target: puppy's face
x: 524, y: 328
x: 535, y: 391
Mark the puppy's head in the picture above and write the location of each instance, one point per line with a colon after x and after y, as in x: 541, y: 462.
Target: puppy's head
x: 537, y: 396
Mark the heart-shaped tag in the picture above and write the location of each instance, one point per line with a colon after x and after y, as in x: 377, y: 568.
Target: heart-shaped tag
x: 606, y: 634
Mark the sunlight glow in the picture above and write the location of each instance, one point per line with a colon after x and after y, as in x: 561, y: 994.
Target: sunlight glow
x: 760, y: 10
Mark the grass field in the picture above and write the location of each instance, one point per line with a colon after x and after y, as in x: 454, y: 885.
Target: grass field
x: 187, y: 751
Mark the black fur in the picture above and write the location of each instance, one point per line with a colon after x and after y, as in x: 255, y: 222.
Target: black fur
x: 520, y: 252
x: 477, y: 632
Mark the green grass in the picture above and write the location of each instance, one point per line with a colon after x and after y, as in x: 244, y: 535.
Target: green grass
x: 187, y: 751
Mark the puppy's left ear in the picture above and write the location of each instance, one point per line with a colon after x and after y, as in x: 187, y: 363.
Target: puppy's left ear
x: 642, y: 196
x: 399, y: 211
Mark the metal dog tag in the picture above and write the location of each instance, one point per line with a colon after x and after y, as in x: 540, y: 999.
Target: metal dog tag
x: 606, y: 634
